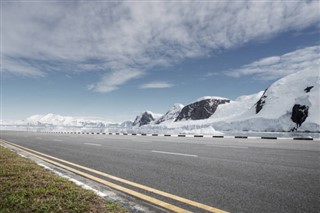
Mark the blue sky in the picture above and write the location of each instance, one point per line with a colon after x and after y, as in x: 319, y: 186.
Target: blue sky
x: 115, y: 60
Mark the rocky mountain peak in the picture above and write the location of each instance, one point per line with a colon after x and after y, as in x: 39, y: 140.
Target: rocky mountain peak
x: 201, y: 109
x: 143, y: 119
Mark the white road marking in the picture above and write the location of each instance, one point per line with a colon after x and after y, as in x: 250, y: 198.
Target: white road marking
x: 92, y: 144
x: 174, y: 153
x: 225, y: 146
x: 58, y: 140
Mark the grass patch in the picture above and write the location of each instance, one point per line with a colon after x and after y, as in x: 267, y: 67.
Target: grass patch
x: 27, y: 187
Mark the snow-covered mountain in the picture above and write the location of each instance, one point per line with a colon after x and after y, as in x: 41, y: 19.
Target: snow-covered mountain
x: 171, y: 115
x: 223, y: 112
x: 236, y: 107
x: 289, y: 103
x: 58, y: 120
x: 126, y: 124
x: 145, y: 118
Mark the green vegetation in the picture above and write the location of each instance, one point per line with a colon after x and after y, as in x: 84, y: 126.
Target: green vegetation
x: 27, y: 187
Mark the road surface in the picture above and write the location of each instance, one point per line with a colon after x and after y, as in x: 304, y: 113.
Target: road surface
x: 235, y: 175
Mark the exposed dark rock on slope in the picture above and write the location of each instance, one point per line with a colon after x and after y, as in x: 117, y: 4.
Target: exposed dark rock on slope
x: 299, y: 114
x: 261, y: 102
x: 308, y: 89
x: 201, y: 109
x: 143, y: 119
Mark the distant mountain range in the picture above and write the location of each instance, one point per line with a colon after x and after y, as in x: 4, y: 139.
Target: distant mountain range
x: 291, y: 103
x: 58, y: 120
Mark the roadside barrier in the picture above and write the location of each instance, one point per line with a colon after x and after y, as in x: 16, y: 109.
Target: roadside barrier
x: 186, y: 135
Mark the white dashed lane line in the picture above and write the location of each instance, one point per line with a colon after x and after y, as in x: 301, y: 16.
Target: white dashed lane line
x: 92, y: 144
x: 174, y: 153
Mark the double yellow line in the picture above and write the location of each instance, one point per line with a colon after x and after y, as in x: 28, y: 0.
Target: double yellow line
x: 149, y: 199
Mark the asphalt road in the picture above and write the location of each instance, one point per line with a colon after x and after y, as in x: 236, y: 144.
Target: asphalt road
x: 236, y: 175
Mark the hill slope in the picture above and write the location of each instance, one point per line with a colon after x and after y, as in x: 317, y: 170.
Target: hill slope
x: 283, y: 106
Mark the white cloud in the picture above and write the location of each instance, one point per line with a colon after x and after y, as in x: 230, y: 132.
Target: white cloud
x: 278, y: 66
x: 21, y: 68
x: 111, y: 82
x: 156, y: 85
x: 124, y: 40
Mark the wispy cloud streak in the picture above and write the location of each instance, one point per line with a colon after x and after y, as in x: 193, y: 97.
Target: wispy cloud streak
x: 124, y: 40
x: 156, y: 85
x: 275, y: 67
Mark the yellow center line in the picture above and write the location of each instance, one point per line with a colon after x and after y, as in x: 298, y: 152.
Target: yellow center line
x: 112, y: 185
x: 155, y: 191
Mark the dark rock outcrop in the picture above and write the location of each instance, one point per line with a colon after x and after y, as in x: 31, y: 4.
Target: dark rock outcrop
x: 299, y: 114
x: 261, y: 102
x: 308, y: 89
x: 200, y: 110
x: 143, y: 119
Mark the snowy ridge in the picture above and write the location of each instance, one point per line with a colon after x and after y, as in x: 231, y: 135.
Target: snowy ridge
x: 211, y: 97
x: 58, y: 120
x: 171, y: 115
x: 155, y: 115
x: 236, y: 107
x: 283, y: 102
x: 300, y: 88
x: 281, y: 97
